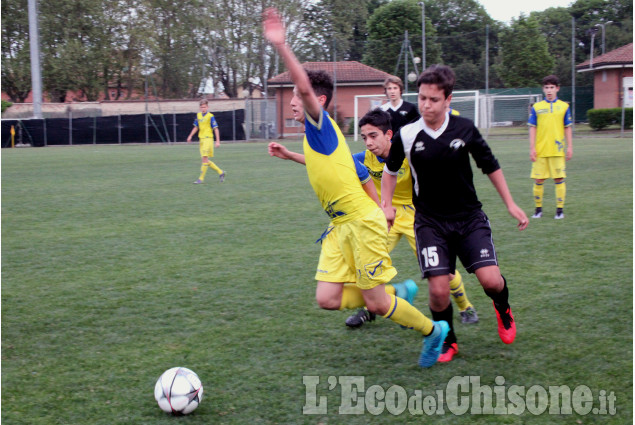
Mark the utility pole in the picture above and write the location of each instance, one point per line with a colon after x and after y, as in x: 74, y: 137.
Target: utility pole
x: 34, y: 43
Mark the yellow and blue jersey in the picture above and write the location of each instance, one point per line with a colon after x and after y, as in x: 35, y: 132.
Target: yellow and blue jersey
x: 550, y: 120
x: 333, y: 174
x: 205, y: 124
x: 454, y: 112
x: 375, y: 166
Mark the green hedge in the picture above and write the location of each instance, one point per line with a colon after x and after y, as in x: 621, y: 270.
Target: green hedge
x: 602, y: 118
x: 5, y: 105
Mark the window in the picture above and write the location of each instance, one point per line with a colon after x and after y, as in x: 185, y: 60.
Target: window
x: 290, y: 122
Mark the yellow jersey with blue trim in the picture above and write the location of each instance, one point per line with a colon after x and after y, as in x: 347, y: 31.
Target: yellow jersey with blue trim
x: 550, y: 120
x: 375, y: 166
x: 332, y: 171
x: 205, y: 124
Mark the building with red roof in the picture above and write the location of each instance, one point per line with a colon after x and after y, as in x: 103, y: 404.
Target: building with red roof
x: 612, y: 77
x: 351, y: 78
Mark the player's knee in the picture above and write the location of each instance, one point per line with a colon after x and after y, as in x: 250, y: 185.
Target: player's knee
x: 492, y: 283
x: 327, y: 302
x: 380, y: 308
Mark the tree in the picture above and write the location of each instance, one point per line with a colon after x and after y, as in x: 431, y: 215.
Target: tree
x: 525, y: 57
x: 460, y: 27
x: 386, y: 29
x: 16, y: 59
x: 335, y: 21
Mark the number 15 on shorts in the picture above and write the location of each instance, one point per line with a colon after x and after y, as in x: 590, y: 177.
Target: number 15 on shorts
x: 430, y: 256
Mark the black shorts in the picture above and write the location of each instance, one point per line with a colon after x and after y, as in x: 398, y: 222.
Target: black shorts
x: 439, y: 242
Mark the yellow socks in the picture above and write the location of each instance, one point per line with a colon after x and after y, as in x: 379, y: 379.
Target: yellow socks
x: 539, y: 190
x: 407, y: 315
x: 214, y: 167
x: 351, y: 297
x: 203, y: 171
x: 561, y: 191
x: 458, y: 292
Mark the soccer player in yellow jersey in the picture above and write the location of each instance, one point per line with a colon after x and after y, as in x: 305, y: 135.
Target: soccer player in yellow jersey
x: 549, y: 128
x: 204, y: 124
x: 376, y: 132
x: 354, y: 264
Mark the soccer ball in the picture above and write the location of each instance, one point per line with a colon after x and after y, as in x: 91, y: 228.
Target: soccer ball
x: 178, y: 391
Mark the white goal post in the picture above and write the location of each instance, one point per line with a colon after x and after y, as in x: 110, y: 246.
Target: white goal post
x: 466, y: 102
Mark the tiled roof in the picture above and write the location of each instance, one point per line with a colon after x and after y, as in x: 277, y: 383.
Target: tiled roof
x: 620, y: 56
x: 346, y: 72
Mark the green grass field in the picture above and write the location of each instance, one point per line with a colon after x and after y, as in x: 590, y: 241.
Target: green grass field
x: 115, y: 268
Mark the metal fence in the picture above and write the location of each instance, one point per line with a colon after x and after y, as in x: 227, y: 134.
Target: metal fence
x: 261, y: 119
x: 117, y: 129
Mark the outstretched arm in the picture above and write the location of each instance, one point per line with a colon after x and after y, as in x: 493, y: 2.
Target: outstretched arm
x: 274, y: 31
x: 498, y: 180
x: 276, y: 149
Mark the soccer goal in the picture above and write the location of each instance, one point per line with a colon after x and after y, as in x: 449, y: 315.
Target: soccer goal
x: 506, y: 110
x: 466, y: 102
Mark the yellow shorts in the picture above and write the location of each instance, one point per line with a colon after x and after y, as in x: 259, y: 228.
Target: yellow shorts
x: 356, y: 251
x: 206, y: 147
x: 404, y: 226
x: 551, y: 167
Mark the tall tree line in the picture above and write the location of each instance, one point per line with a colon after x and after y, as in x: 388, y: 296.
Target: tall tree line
x: 97, y: 47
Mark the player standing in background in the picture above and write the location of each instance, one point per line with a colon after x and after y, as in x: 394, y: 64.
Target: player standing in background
x: 449, y: 220
x: 549, y: 128
x: 401, y: 112
x: 354, y: 264
x: 204, y: 124
x: 376, y: 132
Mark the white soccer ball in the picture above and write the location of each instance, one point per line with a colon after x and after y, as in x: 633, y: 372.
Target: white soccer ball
x: 178, y: 391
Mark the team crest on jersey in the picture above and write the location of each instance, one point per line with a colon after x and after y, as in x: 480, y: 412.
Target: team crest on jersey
x: 332, y: 213
x: 419, y: 147
x: 456, y: 144
x: 375, y: 174
x: 374, y: 270
x: 403, y: 113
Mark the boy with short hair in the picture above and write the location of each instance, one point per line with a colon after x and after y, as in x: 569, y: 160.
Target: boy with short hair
x: 204, y: 124
x: 449, y: 220
x: 354, y: 264
x: 375, y: 129
x: 549, y: 128
x: 401, y: 112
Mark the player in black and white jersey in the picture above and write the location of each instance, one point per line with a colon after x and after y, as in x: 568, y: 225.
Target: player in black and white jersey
x: 401, y: 112
x: 449, y: 221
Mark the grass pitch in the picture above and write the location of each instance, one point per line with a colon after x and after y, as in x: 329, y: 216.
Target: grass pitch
x: 115, y: 268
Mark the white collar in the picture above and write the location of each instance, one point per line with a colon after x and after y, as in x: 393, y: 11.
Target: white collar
x: 436, y: 133
x: 389, y: 105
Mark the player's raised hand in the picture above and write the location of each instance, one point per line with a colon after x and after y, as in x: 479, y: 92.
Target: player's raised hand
x: 273, y: 28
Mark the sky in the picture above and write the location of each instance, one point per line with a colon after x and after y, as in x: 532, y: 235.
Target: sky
x: 505, y: 10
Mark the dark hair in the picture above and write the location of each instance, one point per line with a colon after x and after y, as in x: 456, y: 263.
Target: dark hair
x: 440, y: 75
x: 322, y: 84
x: 394, y: 80
x: 551, y: 79
x: 377, y: 118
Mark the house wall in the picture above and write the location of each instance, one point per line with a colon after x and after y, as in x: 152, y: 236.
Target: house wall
x: 344, y: 98
x: 607, y: 85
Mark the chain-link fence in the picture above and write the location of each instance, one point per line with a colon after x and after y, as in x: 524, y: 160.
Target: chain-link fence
x: 261, y: 119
